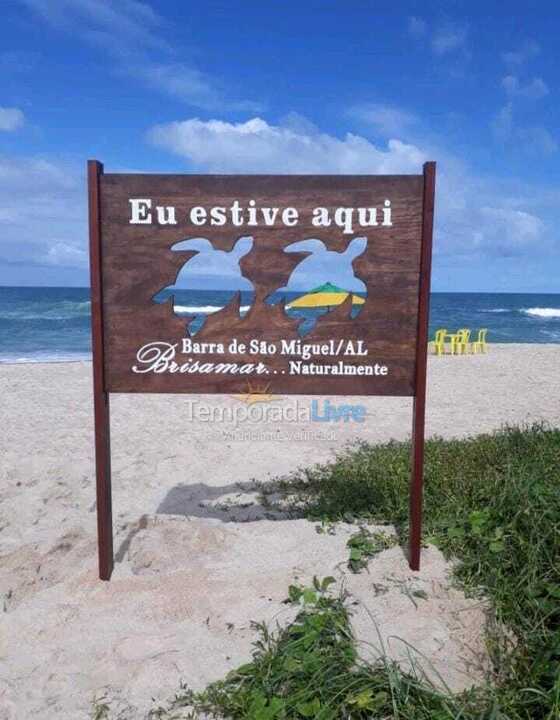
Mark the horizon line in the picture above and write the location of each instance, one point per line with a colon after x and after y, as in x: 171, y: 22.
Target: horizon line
x: 225, y: 289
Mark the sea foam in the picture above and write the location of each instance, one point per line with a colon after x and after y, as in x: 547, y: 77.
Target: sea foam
x: 63, y: 310
x: 542, y: 312
x: 206, y: 309
x: 43, y: 357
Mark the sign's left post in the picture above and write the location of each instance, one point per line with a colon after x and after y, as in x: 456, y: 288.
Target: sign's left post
x: 100, y: 394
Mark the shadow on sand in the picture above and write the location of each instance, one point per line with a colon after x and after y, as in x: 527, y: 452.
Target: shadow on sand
x: 240, y: 502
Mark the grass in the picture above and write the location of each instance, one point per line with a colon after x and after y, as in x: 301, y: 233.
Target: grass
x: 310, y: 670
x: 364, y: 545
x: 492, y: 502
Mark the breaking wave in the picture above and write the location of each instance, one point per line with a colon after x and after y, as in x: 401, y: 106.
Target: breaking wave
x: 63, y: 310
x: 206, y: 309
x: 542, y: 312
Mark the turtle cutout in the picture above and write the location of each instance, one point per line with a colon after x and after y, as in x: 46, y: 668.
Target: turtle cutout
x: 200, y: 272
x: 337, y: 282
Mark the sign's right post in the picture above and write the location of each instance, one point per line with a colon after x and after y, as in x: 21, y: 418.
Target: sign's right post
x: 419, y: 406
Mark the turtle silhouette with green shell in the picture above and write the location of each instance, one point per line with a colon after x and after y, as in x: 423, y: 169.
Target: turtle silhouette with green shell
x: 328, y: 265
x: 209, y: 261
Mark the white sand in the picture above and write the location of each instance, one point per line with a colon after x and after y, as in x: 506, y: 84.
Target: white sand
x: 188, y: 580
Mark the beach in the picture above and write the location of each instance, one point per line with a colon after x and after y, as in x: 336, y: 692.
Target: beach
x: 197, y: 557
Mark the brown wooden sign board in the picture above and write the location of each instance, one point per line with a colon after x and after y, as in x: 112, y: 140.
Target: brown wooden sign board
x: 309, y: 284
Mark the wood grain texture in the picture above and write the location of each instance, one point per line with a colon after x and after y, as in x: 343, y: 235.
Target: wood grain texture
x: 419, y: 407
x: 137, y: 262
x: 100, y: 394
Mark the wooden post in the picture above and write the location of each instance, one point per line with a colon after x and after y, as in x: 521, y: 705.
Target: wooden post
x: 100, y: 395
x: 419, y: 406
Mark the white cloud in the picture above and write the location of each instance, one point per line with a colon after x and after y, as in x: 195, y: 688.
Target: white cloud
x: 388, y: 120
x: 526, y: 137
x: 447, y: 41
x: 449, y: 38
x: 188, y: 84
x: 43, y: 212
x: 43, y: 207
x: 482, y: 216
x: 133, y: 34
x: 475, y: 219
x: 533, y: 90
x: 474, y: 216
x: 507, y: 231
x: 65, y: 255
x: 299, y: 124
x: 519, y: 57
x: 532, y: 140
x: 11, y: 119
x: 416, y: 26
x: 182, y: 82
x: 256, y: 146
x: 103, y: 21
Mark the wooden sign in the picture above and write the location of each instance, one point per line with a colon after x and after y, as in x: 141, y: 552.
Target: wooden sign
x: 305, y: 284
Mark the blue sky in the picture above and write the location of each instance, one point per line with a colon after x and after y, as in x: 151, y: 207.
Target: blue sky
x: 314, y: 86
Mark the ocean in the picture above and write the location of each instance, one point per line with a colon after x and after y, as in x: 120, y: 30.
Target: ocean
x: 53, y: 324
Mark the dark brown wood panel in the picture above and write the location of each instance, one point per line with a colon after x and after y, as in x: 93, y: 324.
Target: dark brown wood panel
x: 419, y: 406
x: 138, y: 262
x: 100, y: 394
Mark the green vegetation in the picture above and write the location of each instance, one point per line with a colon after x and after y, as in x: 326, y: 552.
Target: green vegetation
x: 310, y: 670
x: 364, y: 545
x: 492, y: 502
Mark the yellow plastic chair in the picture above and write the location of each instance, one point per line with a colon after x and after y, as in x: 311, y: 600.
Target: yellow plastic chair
x: 438, y: 342
x: 480, y: 345
x: 460, y: 341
